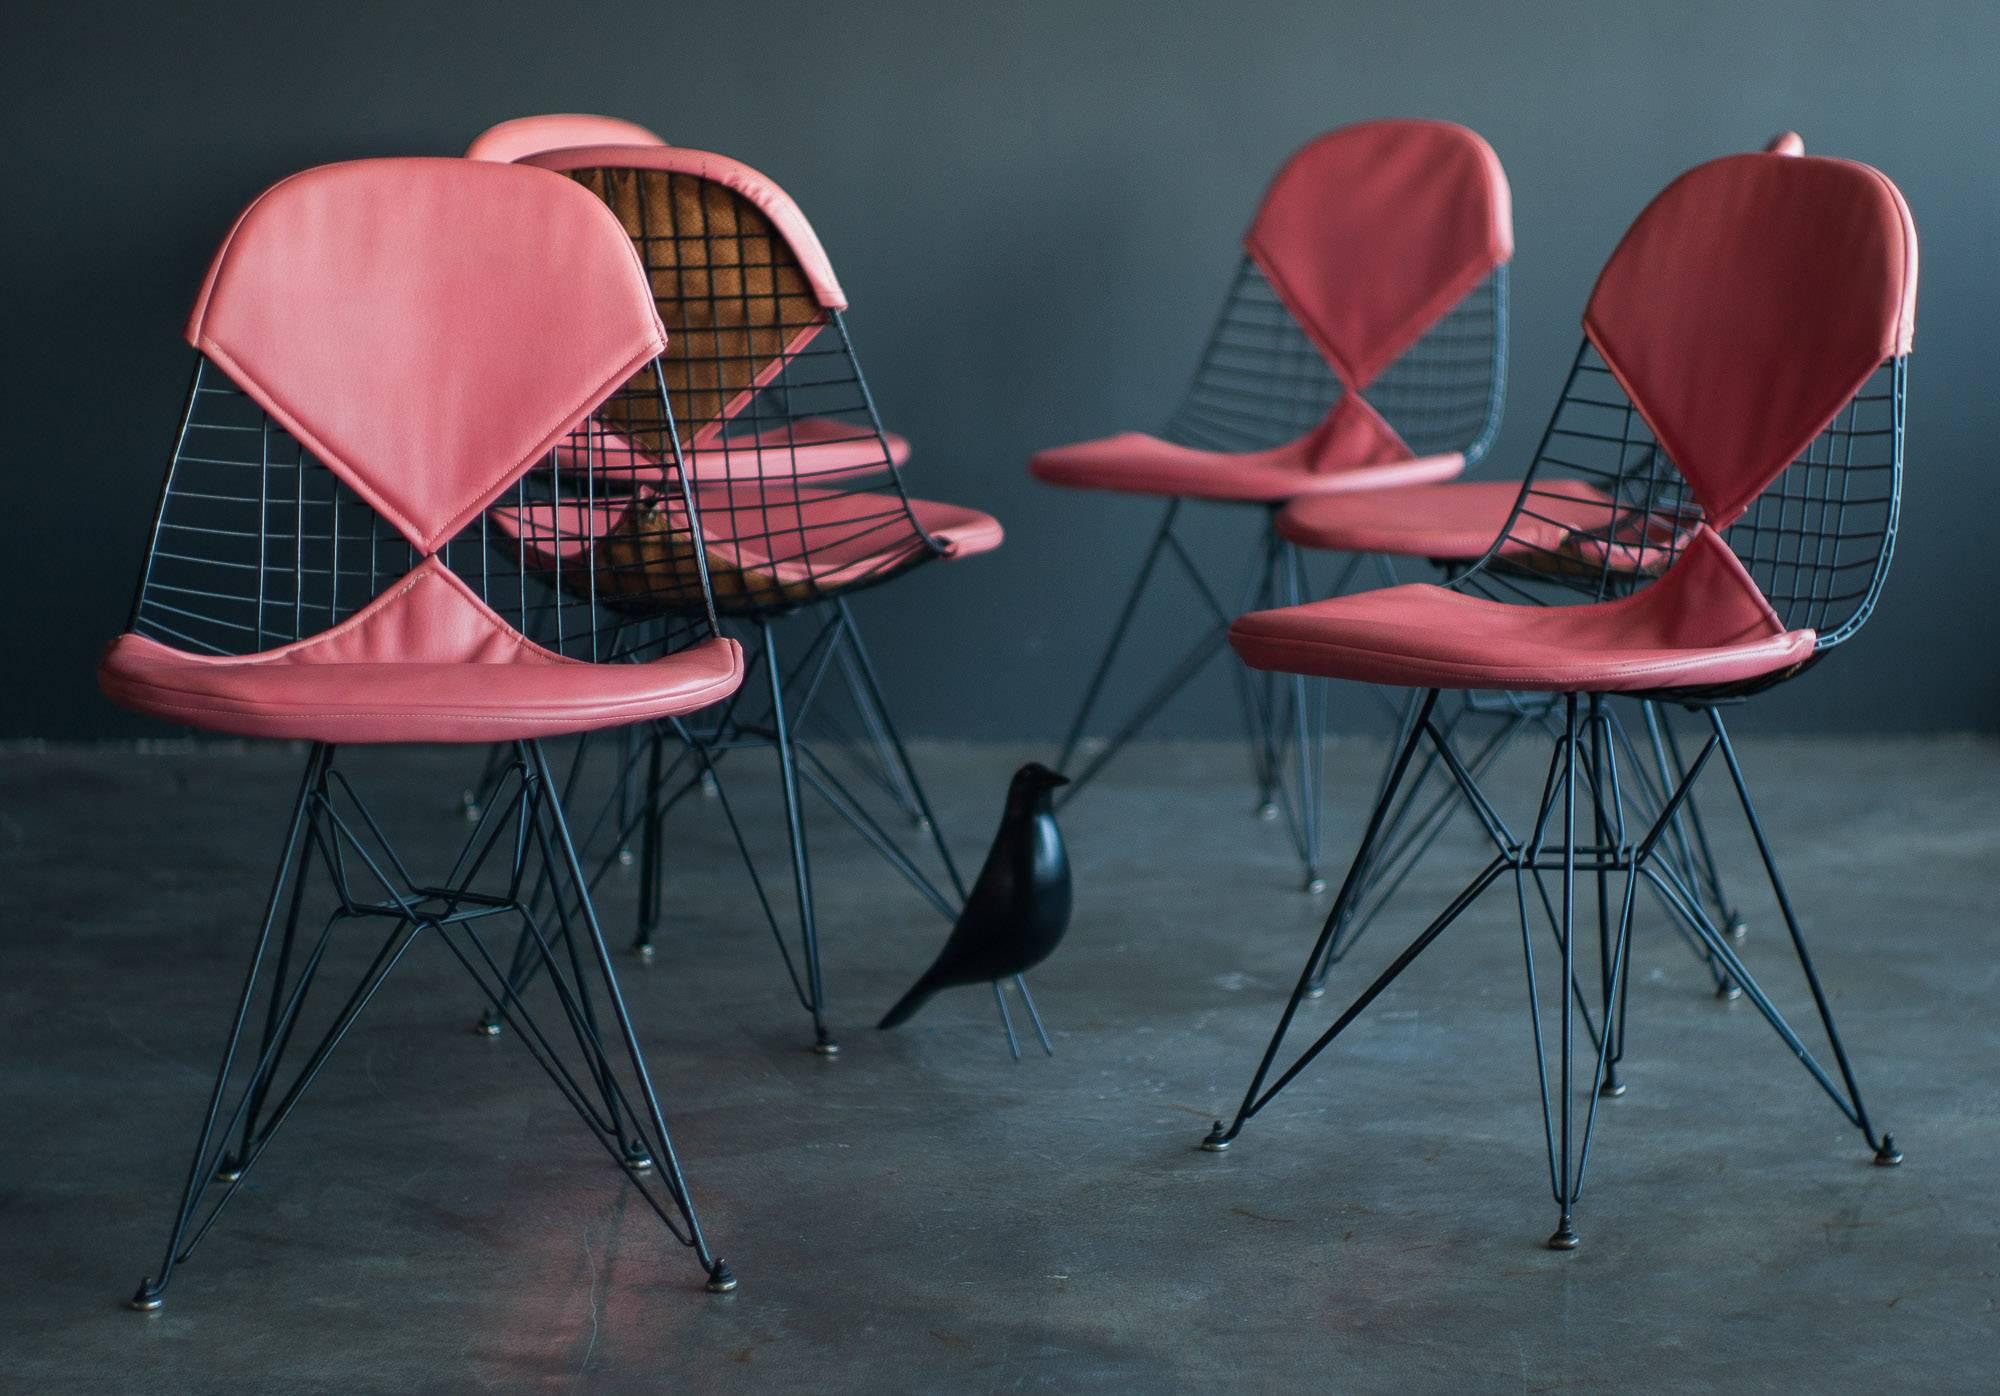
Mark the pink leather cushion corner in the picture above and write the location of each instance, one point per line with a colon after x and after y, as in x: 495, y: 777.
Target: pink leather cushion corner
x: 427, y: 328
x: 531, y: 135
x: 1746, y: 306
x: 1133, y: 462
x: 1372, y: 232
x: 773, y: 202
x: 1455, y: 522
x: 1702, y: 623
x: 426, y: 661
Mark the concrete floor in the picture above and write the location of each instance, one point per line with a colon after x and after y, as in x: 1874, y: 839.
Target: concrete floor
x: 923, y: 1215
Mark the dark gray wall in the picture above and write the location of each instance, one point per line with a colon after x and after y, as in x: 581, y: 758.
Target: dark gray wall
x: 1034, y: 208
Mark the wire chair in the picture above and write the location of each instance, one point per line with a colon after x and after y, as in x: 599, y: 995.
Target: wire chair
x: 331, y: 561
x: 801, y: 506
x: 1361, y: 346
x: 1711, y: 510
x: 1451, y: 525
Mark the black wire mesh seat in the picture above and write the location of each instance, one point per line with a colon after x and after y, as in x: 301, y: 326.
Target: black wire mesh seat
x: 1712, y: 508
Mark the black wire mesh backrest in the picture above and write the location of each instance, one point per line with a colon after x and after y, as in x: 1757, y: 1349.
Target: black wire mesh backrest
x: 799, y: 496
x: 1262, y: 382
x: 1605, y: 511
x: 257, y: 544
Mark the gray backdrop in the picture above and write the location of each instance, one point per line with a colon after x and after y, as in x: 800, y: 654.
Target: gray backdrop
x: 1035, y: 209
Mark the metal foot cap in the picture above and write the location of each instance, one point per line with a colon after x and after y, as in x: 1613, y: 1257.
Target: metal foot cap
x: 1564, y: 1238
x: 1887, y: 1155
x: 1315, y: 885
x: 1728, y: 991
x: 624, y: 857
x: 228, y: 1169
x: 637, y: 1159
x: 721, y: 1279
x: 1611, y: 1088
x: 826, y: 1047
x: 488, y: 1026
x: 1218, y: 1140
x: 1267, y: 811
x: 1737, y: 926
x: 147, y: 1299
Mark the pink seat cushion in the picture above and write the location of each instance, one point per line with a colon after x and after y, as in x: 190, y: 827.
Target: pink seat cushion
x: 1134, y: 463
x: 757, y: 542
x: 426, y: 661
x: 808, y: 446
x: 1453, y: 522
x: 1704, y: 622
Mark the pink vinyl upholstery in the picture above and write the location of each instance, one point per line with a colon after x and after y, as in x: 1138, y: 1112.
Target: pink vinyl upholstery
x: 786, y: 542
x: 1452, y: 522
x: 1738, y: 351
x: 1368, y: 236
x: 1743, y: 309
x: 474, y: 360
x: 1135, y: 463
x: 1703, y: 623
x: 426, y: 661
x: 530, y: 135
x: 428, y: 329
x: 1373, y: 231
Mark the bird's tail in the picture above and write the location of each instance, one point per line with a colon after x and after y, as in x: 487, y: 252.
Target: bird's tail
x: 907, y: 1006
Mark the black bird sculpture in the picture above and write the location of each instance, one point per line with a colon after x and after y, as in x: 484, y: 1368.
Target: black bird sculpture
x: 1017, y: 913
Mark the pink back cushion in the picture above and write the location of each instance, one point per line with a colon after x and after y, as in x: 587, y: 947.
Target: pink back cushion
x: 427, y: 328
x: 1748, y: 304
x: 530, y: 135
x: 1372, y: 232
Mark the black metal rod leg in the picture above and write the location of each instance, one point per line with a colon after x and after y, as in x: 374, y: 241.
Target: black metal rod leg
x: 1603, y: 804
x: 795, y: 831
x: 871, y: 686
x: 720, y: 1279
x: 1884, y: 1145
x: 151, y: 1292
x: 1710, y: 874
x: 1564, y: 1237
x: 1309, y: 718
x: 1221, y: 1137
x: 652, y: 847
x: 1117, y: 639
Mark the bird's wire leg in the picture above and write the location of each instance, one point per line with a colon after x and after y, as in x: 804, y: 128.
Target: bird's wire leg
x: 1028, y: 1000
x: 1006, y: 1021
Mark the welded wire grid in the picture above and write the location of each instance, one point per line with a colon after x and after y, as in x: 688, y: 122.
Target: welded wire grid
x: 1604, y: 510
x: 1262, y: 382
x: 257, y: 543
x: 798, y: 494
